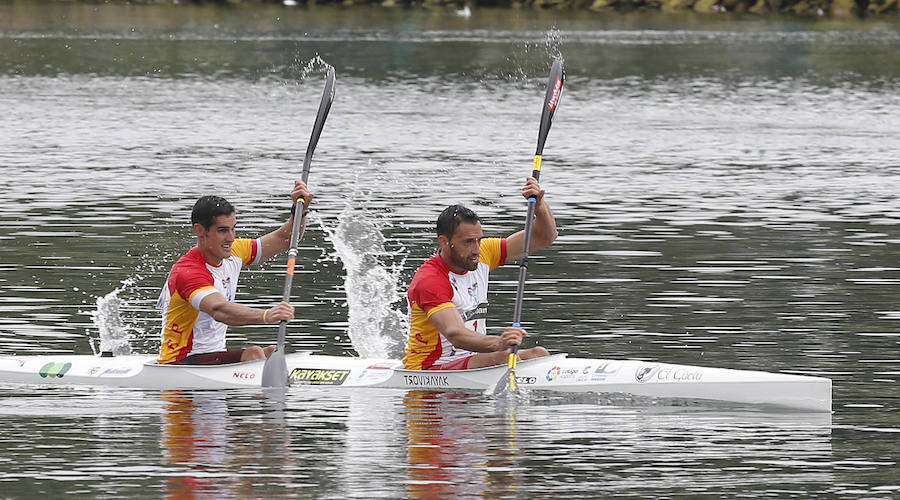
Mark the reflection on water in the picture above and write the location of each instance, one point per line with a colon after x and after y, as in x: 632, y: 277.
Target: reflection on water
x: 222, y: 446
x: 196, y: 432
x: 393, y: 444
x: 446, y: 453
x: 212, y: 453
x: 454, y: 451
x: 461, y: 446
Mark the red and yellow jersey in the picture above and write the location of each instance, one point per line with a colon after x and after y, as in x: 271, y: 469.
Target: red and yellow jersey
x: 435, y: 287
x: 187, y: 330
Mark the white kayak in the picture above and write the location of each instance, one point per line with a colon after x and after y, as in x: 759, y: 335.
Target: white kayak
x: 553, y: 373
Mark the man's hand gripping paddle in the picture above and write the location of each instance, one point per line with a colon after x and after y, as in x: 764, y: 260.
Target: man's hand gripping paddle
x: 275, y: 370
x: 551, y: 101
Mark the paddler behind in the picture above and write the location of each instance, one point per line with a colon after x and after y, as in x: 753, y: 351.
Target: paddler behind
x: 448, y: 294
x: 198, y: 300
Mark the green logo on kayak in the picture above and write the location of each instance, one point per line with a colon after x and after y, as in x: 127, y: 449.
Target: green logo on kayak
x: 54, y: 370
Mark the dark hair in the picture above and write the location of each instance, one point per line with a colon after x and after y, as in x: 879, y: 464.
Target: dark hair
x: 208, y: 208
x: 451, y: 217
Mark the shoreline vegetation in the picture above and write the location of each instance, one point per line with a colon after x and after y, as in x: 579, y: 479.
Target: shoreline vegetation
x: 857, y: 8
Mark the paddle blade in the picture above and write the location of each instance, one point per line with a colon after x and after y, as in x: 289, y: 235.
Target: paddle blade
x: 275, y: 370
x: 502, y: 385
x: 324, y: 108
x: 508, y: 381
x: 551, y: 101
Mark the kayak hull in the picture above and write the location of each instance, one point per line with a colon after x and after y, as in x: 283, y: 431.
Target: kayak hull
x: 557, y: 373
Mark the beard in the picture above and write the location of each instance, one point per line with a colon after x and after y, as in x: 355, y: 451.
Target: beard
x: 461, y: 261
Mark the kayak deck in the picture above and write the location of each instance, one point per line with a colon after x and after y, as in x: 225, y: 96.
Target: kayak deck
x: 557, y: 373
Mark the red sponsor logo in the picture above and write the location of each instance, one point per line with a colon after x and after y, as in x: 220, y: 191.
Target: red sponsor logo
x: 554, y: 97
x: 244, y: 375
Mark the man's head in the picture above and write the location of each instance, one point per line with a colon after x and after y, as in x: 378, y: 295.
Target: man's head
x: 214, y: 223
x: 459, y: 234
x: 207, y: 208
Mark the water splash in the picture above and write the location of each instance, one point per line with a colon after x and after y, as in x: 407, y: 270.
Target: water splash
x: 114, y: 335
x: 531, y: 60
x: 309, y: 69
x: 377, y: 326
x: 553, y: 44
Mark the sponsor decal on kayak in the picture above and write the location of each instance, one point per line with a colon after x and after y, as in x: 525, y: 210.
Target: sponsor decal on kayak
x: 377, y: 371
x: 604, y: 370
x: 561, y: 374
x: 318, y: 376
x: 645, y: 373
x: 426, y: 380
x: 244, y: 375
x: 658, y: 373
x: 116, y: 372
x: 21, y: 362
x: 526, y: 380
x: 54, y: 370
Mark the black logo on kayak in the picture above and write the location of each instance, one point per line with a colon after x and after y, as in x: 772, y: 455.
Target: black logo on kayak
x: 645, y: 373
x: 526, y: 380
x: 318, y: 376
x: 426, y: 380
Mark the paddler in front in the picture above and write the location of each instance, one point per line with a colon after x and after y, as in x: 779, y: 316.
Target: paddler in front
x: 448, y: 296
x: 198, y: 300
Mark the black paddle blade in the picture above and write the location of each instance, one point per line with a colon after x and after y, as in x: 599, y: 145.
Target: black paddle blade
x: 551, y: 101
x: 324, y: 108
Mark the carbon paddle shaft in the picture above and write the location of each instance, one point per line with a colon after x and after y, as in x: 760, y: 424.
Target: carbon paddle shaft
x: 275, y: 370
x: 551, y: 101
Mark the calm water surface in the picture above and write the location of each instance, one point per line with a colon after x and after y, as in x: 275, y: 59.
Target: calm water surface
x: 726, y: 191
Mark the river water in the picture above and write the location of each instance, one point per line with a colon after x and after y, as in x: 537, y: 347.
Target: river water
x: 725, y: 187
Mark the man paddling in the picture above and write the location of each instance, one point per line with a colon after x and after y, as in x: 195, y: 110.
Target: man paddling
x: 448, y: 294
x: 198, y: 299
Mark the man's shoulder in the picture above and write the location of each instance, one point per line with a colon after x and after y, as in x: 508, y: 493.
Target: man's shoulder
x: 493, y: 252
x: 190, y: 265
x: 433, y: 272
x: 246, y: 250
x: 192, y: 258
x: 434, y: 266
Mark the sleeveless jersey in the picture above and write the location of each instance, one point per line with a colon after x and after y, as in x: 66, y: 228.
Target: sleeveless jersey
x: 186, y: 330
x: 435, y: 287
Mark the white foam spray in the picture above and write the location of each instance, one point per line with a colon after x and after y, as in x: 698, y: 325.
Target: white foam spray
x: 114, y: 335
x: 377, y: 326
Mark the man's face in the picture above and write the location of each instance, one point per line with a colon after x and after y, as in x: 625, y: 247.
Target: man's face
x: 464, y: 248
x: 216, y: 241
